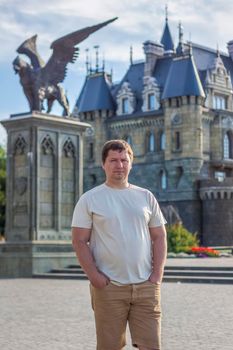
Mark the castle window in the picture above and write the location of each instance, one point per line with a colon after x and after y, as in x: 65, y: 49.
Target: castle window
x: 219, y: 102
x: 162, y: 141
x: 179, y: 174
x: 150, y: 95
x: 151, y: 102
x: 177, y: 140
x: 126, y: 100
x: 129, y: 140
x: 163, y: 180
x: 91, y: 150
x: 226, y: 146
x: 93, y: 179
x: 219, y: 175
x: 151, y: 142
x: 125, y: 105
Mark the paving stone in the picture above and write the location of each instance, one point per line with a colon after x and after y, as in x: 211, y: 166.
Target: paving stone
x: 42, y: 314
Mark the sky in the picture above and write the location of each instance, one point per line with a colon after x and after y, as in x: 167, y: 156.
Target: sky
x: 206, y: 22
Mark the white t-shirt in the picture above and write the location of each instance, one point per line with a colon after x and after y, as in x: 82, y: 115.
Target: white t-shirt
x: 120, y: 239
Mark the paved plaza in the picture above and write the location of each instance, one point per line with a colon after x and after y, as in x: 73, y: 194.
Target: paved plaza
x: 44, y: 314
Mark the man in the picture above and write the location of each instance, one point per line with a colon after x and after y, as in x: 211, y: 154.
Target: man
x: 120, y: 241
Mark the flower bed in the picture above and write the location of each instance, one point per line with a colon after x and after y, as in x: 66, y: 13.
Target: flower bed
x: 204, y: 252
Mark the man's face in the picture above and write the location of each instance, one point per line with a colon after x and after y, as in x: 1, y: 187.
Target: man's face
x: 117, y: 165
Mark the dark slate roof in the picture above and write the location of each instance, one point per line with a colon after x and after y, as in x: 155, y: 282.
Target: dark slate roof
x: 161, y: 70
x: 204, y: 58
x: 183, y: 79
x: 166, y: 39
x: 134, y: 76
x: 176, y: 76
x: 95, y: 94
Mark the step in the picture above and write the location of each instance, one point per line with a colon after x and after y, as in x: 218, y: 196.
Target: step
x: 53, y: 275
x: 197, y: 279
x: 182, y: 274
x: 68, y: 270
x: 200, y: 268
x: 202, y: 273
x: 167, y: 272
x: 174, y: 278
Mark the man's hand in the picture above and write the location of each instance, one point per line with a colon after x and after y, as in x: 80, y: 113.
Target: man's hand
x: 155, y: 279
x: 99, y: 280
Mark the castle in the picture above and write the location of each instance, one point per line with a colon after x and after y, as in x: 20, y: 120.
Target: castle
x: 176, y: 110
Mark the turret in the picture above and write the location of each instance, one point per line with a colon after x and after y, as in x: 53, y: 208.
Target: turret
x: 166, y: 39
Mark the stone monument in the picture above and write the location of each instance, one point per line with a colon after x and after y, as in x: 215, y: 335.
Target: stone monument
x: 44, y: 165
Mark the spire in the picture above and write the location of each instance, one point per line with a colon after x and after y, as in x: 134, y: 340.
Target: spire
x: 217, y: 61
x: 87, y: 61
x: 180, y: 47
x: 131, y: 55
x: 96, y: 47
x: 103, y: 63
x: 190, y: 48
x: 218, y: 53
x: 166, y: 39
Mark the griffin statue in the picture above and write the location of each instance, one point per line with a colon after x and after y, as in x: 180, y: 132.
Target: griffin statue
x: 40, y: 81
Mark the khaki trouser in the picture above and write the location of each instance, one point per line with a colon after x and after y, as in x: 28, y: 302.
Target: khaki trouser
x: 137, y: 304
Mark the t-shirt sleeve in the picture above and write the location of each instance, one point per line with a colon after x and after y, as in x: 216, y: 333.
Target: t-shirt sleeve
x: 82, y: 216
x: 157, y: 218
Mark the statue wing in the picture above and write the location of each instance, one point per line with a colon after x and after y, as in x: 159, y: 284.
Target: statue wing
x: 28, y: 48
x: 64, y: 52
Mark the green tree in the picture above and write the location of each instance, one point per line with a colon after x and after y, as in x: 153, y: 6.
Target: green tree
x: 2, y: 188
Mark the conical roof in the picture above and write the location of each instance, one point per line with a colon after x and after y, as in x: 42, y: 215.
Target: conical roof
x: 166, y: 39
x: 183, y: 79
x: 95, y: 94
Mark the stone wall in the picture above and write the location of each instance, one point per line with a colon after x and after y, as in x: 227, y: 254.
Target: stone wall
x: 217, y: 212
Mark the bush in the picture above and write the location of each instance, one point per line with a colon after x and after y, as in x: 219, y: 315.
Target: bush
x: 179, y: 239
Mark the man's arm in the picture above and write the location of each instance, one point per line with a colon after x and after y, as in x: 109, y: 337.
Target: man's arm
x: 80, y: 239
x: 159, y: 250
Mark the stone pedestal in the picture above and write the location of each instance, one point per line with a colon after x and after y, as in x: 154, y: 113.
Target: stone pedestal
x: 44, y: 181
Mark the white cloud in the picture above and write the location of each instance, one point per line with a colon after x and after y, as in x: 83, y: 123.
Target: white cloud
x: 208, y: 22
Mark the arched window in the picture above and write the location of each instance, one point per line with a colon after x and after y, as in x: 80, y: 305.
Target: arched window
x: 151, y: 102
x: 162, y: 141
x: 219, y: 102
x: 91, y: 150
x: 93, y: 179
x: 226, y: 146
x: 125, y: 105
x: 128, y: 139
x: 151, y: 142
x: 177, y: 140
x: 163, y: 180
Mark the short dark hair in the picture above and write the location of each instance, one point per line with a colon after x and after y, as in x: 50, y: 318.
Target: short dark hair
x: 116, y: 145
